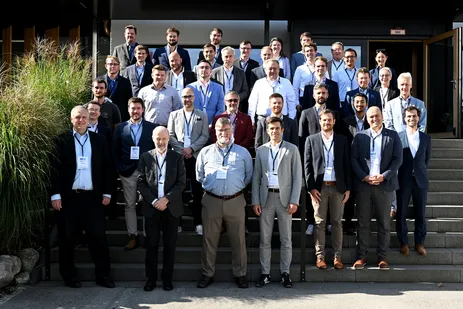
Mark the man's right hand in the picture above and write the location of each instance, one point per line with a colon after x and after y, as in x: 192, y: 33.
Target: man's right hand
x: 56, y: 204
x: 315, y: 195
x: 257, y: 209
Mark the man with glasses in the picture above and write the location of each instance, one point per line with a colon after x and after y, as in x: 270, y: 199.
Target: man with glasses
x: 245, y: 63
x: 385, y: 91
x: 259, y: 72
x: 346, y: 78
x: 337, y: 61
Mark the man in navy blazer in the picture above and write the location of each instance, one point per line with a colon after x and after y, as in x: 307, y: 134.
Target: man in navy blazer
x: 376, y: 156
x: 374, y: 98
x: 131, y: 139
x: 139, y: 74
x: 161, y: 55
x: 299, y: 58
x: 125, y: 51
x: 413, y: 181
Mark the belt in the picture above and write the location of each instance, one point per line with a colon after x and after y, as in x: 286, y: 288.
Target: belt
x: 78, y: 191
x: 276, y: 190
x: 329, y: 183
x: 262, y: 116
x: 224, y: 197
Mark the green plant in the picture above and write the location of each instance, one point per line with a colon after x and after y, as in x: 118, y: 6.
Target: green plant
x: 36, y: 96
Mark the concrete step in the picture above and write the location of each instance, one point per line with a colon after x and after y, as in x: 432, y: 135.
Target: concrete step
x: 371, y: 273
x: 185, y: 255
x: 445, y: 174
x: 453, y: 153
x: 447, y: 198
x: 446, y: 163
x: 446, y: 185
x: 446, y: 143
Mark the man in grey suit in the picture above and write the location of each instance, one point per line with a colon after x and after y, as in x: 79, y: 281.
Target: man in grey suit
x: 328, y: 180
x: 139, y: 74
x: 376, y: 156
x: 189, y: 133
x: 276, y: 188
x: 125, y: 51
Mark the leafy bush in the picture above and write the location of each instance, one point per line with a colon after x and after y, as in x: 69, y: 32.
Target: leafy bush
x: 36, y: 96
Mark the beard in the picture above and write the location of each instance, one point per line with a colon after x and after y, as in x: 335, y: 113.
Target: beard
x: 173, y: 43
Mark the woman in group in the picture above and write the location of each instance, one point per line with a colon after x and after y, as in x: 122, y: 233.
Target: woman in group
x: 381, y: 58
x: 276, y: 44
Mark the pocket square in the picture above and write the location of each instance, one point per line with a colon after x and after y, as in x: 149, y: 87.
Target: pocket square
x: 199, y: 118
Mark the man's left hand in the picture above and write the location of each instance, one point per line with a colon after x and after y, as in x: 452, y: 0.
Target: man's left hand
x: 161, y: 204
x: 292, y: 208
x: 106, y: 200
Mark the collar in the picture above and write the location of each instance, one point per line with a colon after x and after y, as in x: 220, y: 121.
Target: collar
x: 230, y: 70
x: 374, y: 134
x: 275, y: 147
x: 163, y: 87
x: 74, y: 132
x: 327, y: 139
x: 135, y: 124
x: 360, y: 120
x: 161, y: 155
x: 142, y: 66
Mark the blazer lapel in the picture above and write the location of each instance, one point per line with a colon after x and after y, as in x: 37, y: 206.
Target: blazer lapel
x: 384, y: 140
x: 73, y: 150
x: 92, y: 143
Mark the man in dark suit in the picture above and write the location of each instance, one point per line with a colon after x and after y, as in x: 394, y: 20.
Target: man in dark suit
x: 125, y: 51
x: 131, y: 139
x: 328, y: 180
x: 161, y: 55
x: 376, y: 156
x: 178, y: 77
x: 259, y: 72
x: 246, y: 64
x: 332, y: 101
x: 215, y: 37
x: 80, y: 188
x: 276, y: 103
x: 94, y: 112
x: 161, y: 181
x: 413, y: 181
x: 119, y: 89
x: 374, y: 98
x: 139, y: 74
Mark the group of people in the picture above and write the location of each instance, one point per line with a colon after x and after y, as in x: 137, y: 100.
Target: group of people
x: 312, y: 126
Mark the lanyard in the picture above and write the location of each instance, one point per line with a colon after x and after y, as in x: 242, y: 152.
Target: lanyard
x: 328, y: 152
x: 374, y: 138
x: 134, y: 135
x: 243, y: 67
x: 276, y: 83
x: 81, y: 145
x: 188, y: 122
x: 224, y: 155
x: 93, y: 128
x: 229, y: 77
x: 274, y: 157
x: 337, y: 66
x: 204, y: 93
x: 351, y: 79
x: 160, y: 167
x: 383, y: 96
x: 139, y: 76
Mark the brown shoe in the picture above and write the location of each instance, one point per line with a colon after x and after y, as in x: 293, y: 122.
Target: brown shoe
x: 393, y: 213
x: 420, y: 249
x: 132, y: 244
x: 321, y: 264
x: 404, y: 249
x: 360, y: 264
x: 383, y: 265
x: 338, y: 263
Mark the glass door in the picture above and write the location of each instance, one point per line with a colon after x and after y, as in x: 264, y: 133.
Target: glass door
x: 443, y: 84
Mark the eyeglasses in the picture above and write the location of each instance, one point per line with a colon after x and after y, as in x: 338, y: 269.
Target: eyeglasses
x: 112, y: 64
x: 232, y: 100
x: 245, y: 48
x: 385, y: 75
x: 187, y: 96
x: 350, y: 57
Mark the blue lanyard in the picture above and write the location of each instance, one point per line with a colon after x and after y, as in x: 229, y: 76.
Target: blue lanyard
x: 134, y: 135
x: 351, y: 79
x: 204, y: 96
x: 188, y: 122
x: 81, y: 145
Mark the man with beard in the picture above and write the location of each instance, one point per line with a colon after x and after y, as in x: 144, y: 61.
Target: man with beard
x: 215, y: 37
x: 224, y: 169
x: 161, y: 55
x: 178, y: 77
x: 131, y: 139
x: 110, y: 114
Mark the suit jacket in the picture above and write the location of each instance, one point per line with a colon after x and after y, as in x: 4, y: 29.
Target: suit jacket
x: 390, y: 94
x: 240, y: 84
x: 218, y: 56
x: 214, y: 104
x: 244, y: 132
x: 289, y: 175
x: 121, y: 52
x: 391, y: 158
x: 374, y: 99
x: 160, y: 57
x: 332, y: 103
x: 199, y: 130
x: 188, y: 78
x: 174, y: 184
x: 252, y: 64
x: 289, y: 134
x: 258, y: 73
x: 121, y: 95
x: 298, y: 59
x: 351, y: 123
x: 393, y: 115
x: 131, y: 74
x: 314, y: 162
x: 107, y: 133
x: 64, y: 166
x: 375, y: 82
x: 123, y: 141
x: 417, y: 166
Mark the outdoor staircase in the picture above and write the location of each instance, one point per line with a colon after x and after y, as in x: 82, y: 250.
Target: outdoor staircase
x: 444, y: 242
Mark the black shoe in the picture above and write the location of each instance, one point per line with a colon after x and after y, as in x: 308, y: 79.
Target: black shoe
x: 149, y: 286
x: 263, y: 280
x: 242, y: 282
x: 73, y: 283
x: 167, y: 286
x: 106, y: 282
x: 286, y: 280
x: 204, y: 282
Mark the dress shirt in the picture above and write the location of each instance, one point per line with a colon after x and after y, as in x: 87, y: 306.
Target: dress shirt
x: 413, y: 141
x: 263, y: 88
x: 237, y: 161
x: 346, y: 81
x: 161, y: 166
x: 328, y: 151
x: 244, y: 64
x: 383, y: 95
x: 273, y: 163
x: 93, y: 128
x: 360, y: 123
x: 285, y: 65
x: 228, y: 79
x: 167, y: 48
x: 177, y: 81
x: 336, y: 66
x: 375, y: 151
x: 188, y: 127
x: 135, y: 131
x: 159, y: 103
x: 304, y: 75
x: 319, y: 109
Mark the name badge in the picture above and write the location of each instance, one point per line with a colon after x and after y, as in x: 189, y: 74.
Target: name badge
x: 329, y: 172
x: 348, y: 88
x: 134, y: 153
x: 82, y: 163
x: 222, y: 172
x: 272, y: 180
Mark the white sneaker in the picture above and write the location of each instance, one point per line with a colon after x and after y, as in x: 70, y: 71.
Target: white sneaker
x: 199, y: 229
x: 179, y: 229
x: 309, y: 230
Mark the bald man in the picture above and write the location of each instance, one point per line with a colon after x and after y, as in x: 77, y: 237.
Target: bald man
x: 162, y: 205
x: 179, y: 76
x: 376, y: 156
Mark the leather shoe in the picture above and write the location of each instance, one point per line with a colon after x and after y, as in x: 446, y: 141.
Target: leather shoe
x: 167, y: 286
x: 338, y: 263
x: 149, y: 286
x: 420, y: 249
x: 383, y: 264
x: 321, y: 264
x: 242, y: 282
x: 73, y: 283
x: 360, y: 264
x: 404, y: 249
x: 132, y: 244
x: 393, y: 214
x: 105, y: 282
x: 205, y: 282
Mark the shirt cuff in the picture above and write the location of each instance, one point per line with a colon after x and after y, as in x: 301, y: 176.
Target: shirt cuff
x: 107, y: 195
x: 55, y: 197
x: 155, y: 200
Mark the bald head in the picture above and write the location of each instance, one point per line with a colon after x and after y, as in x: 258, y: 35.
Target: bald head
x: 175, y: 62
x: 375, y: 118
x: 161, y: 138
x: 188, y: 98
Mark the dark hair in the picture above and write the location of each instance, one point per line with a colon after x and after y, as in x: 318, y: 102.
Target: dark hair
x: 358, y: 94
x: 207, y: 45
x: 136, y: 100
x: 412, y: 108
x: 305, y: 34
x: 245, y: 42
x: 311, y: 44
x: 139, y: 46
x: 282, y: 54
x: 327, y: 111
x: 382, y: 51
x: 100, y: 80
x: 131, y: 27
x: 204, y: 61
x: 172, y: 29
x: 270, y: 120
x: 218, y: 30
x: 350, y: 50
x: 276, y: 95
